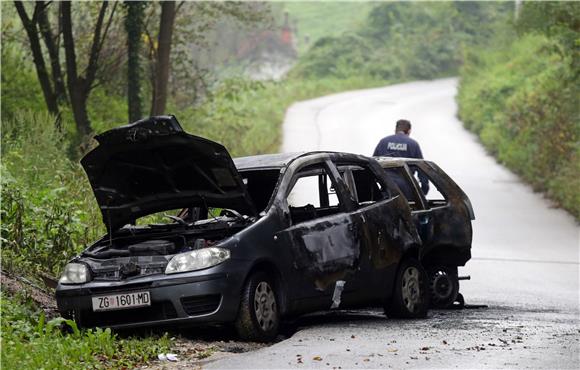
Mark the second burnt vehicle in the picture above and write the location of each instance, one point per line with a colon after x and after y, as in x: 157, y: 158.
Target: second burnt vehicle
x: 249, y: 241
x: 443, y: 218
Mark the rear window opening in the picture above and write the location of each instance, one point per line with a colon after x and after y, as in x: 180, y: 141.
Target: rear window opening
x: 366, y: 188
x: 369, y: 190
x: 434, y: 197
x: 403, y: 181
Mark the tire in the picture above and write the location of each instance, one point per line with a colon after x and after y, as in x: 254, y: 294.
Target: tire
x: 258, y: 317
x: 443, y: 286
x: 410, y: 298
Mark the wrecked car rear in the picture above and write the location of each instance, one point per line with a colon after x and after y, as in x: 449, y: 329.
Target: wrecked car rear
x: 247, y: 243
x: 443, y: 218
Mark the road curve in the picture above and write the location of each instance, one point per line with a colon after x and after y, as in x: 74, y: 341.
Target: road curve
x: 525, y: 263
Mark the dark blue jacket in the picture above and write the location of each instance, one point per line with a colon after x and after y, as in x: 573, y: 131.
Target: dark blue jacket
x: 398, y: 145
x: 401, y: 145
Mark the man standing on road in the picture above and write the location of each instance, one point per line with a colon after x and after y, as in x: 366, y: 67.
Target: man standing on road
x: 401, y: 145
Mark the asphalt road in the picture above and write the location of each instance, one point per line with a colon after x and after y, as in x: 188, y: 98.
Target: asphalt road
x: 525, y: 263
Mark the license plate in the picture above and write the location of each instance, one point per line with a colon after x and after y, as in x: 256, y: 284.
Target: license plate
x: 120, y: 301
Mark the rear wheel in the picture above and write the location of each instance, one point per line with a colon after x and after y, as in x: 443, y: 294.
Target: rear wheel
x: 410, y: 294
x: 443, y: 286
x: 258, y: 317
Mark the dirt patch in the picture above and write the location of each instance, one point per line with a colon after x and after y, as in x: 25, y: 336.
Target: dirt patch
x: 44, y: 298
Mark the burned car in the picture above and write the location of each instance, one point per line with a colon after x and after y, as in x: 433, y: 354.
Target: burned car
x: 251, y: 240
x: 443, y: 218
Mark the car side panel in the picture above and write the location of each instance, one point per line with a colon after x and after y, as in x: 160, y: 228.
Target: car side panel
x: 450, y: 224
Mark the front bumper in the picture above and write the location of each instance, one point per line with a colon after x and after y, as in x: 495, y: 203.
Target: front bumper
x: 209, y: 296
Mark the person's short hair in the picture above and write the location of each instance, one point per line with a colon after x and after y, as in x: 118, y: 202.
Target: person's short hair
x: 403, y: 125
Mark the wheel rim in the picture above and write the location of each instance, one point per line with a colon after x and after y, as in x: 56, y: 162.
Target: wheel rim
x: 265, y: 306
x: 442, y: 286
x: 411, y: 288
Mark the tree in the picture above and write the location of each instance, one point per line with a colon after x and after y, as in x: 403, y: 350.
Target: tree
x: 79, y: 86
x: 162, y: 65
x: 192, y: 53
x: 134, y: 27
x: 31, y: 27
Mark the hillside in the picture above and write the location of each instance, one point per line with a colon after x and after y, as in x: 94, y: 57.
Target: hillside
x: 325, y: 18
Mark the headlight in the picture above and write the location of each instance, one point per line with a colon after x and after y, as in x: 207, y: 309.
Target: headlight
x: 75, y: 273
x: 197, y: 260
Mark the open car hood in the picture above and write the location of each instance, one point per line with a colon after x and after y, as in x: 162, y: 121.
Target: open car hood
x: 152, y: 165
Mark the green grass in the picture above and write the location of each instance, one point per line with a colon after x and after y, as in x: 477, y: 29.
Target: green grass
x: 317, y: 19
x: 29, y: 341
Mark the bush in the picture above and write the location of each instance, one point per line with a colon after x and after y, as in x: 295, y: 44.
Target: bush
x: 48, y: 212
x: 522, y: 101
x: 20, y: 87
x: 404, y: 41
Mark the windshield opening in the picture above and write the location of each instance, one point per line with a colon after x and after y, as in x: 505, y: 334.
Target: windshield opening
x: 260, y: 185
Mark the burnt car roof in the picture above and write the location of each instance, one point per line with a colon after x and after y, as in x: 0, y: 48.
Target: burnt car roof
x: 398, y: 159
x: 278, y: 160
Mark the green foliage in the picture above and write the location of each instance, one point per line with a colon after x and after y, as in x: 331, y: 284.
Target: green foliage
x: 556, y: 19
x: 522, y: 101
x: 48, y: 212
x: 20, y: 87
x: 336, y: 56
x: 30, y: 342
x: 404, y: 40
x: 246, y: 116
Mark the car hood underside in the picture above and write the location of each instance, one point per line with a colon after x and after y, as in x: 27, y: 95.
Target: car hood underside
x: 152, y: 165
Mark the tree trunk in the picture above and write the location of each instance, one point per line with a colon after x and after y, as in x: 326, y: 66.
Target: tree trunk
x: 40, y: 65
x: 79, y: 107
x: 53, y: 53
x: 76, y: 85
x: 79, y: 87
x: 133, y: 26
x: 163, y: 60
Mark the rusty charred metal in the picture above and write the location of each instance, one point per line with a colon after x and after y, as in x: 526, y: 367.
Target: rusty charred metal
x: 443, y: 217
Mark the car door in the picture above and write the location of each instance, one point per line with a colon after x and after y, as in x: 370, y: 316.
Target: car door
x: 387, y: 227
x: 322, y: 234
x: 420, y: 213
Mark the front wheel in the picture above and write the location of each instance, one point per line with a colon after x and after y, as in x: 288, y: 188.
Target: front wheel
x: 411, y: 294
x: 258, y: 317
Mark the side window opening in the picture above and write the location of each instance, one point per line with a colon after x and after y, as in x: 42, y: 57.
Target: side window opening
x: 312, y: 196
x: 400, y: 177
x: 434, y: 196
x: 369, y: 188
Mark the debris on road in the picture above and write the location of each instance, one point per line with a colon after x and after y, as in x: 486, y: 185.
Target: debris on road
x: 167, y: 357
